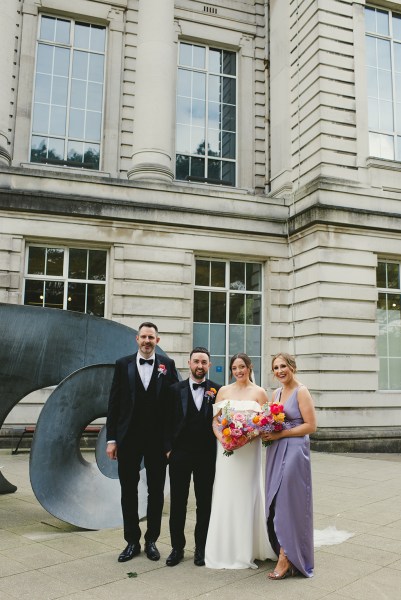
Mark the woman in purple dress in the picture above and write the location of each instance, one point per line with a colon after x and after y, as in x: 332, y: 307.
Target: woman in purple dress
x: 288, y: 475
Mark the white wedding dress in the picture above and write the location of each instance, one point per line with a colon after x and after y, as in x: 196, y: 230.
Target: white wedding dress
x: 237, y: 533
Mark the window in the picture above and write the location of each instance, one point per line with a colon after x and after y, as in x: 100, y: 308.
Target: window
x: 68, y: 93
x: 383, y: 63
x: 206, y: 115
x: 389, y: 319
x: 227, y: 313
x: 66, y: 278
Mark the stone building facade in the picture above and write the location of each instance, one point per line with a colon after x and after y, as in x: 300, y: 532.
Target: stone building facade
x: 230, y: 170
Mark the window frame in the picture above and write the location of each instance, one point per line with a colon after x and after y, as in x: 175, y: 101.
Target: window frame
x: 112, y: 17
x: 387, y: 357
x: 207, y: 71
x: 228, y: 291
x: 64, y: 278
x: 66, y: 138
x: 380, y: 133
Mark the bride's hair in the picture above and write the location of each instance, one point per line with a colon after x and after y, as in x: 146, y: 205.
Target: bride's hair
x: 247, y: 361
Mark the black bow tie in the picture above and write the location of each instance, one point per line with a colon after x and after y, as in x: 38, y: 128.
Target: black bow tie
x: 195, y: 386
x: 148, y: 361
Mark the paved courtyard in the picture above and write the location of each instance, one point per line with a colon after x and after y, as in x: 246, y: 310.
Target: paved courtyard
x: 43, y: 558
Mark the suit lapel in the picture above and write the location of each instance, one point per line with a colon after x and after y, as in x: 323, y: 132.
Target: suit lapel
x: 207, y: 400
x: 132, y: 375
x: 185, y: 391
x: 159, y: 376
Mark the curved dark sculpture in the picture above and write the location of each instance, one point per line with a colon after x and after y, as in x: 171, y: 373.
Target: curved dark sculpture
x: 66, y: 485
x: 43, y: 347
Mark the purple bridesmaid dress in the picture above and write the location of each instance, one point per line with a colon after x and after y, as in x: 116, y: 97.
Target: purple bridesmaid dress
x: 289, y: 493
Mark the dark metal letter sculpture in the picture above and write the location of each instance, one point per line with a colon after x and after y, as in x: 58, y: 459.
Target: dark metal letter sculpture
x: 43, y: 347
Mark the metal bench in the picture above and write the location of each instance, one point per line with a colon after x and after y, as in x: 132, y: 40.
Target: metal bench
x: 29, y: 431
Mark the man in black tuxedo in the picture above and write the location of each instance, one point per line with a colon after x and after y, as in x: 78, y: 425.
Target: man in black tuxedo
x: 191, y: 450
x: 135, y: 431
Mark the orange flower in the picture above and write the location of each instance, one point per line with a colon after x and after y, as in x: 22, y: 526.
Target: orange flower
x: 224, y: 422
x: 226, y: 431
x: 256, y: 419
x: 213, y: 390
x: 279, y: 418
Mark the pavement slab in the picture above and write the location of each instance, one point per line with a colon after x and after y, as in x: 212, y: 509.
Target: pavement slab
x: 43, y: 558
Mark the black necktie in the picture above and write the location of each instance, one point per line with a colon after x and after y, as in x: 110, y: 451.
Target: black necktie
x: 148, y: 361
x: 195, y: 386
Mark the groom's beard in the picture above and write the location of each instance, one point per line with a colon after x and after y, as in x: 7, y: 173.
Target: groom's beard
x: 198, y: 374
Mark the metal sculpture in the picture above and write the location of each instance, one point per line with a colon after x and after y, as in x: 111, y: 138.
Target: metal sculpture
x: 66, y: 484
x: 45, y: 347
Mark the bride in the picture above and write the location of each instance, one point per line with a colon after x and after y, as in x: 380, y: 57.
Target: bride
x: 237, y: 533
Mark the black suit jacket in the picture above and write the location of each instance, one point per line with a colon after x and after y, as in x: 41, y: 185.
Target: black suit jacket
x: 122, y: 393
x: 179, y: 395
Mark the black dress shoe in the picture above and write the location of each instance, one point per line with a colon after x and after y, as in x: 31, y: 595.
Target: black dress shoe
x: 151, y: 551
x: 174, y: 557
x: 129, y: 552
x: 199, y: 557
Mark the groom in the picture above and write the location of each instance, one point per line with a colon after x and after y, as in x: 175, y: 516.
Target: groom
x: 135, y: 432
x: 190, y: 447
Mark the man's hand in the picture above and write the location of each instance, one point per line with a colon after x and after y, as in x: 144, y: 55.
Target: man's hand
x: 111, y: 450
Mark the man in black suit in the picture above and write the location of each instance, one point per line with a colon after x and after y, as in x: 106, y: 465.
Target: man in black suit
x: 191, y: 450
x: 135, y: 431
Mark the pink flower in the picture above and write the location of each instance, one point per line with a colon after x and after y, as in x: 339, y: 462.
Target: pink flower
x: 239, y: 417
x: 161, y: 369
x: 275, y: 408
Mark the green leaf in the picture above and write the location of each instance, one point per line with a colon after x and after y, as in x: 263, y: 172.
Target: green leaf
x: 132, y: 574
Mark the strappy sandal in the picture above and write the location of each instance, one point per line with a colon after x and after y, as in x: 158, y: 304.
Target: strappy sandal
x: 277, y: 576
x: 290, y: 572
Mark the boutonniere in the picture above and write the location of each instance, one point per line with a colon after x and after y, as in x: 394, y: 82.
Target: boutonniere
x: 161, y: 369
x: 211, y: 394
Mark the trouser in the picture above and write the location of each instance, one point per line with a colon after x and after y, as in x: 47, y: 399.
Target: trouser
x: 129, y: 467
x: 183, y: 465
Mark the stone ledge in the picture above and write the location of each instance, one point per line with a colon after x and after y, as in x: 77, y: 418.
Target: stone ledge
x: 357, y: 439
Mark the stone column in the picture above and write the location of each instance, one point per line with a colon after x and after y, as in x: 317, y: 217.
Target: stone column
x: 8, y: 31
x: 154, y: 111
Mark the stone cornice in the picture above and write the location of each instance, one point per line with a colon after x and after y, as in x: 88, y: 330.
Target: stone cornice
x: 339, y: 216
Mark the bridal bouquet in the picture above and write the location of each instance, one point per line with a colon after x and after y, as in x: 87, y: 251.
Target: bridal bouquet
x: 237, y: 427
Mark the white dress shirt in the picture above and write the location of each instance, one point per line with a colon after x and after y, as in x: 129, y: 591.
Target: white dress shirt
x: 145, y: 371
x: 197, y: 394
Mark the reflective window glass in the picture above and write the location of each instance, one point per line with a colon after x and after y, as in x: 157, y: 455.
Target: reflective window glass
x: 201, y: 307
x: 203, y: 95
x: 202, y: 272
x: 383, y: 64
x: 76, y: 296
x: 68, y: 89
x: 54, y: 261
x: 389, y: 323
x: 217, y: 274
x: 78, y: 264
x: 97, y: 265
x: 36, y: 261
x: 47, y: 28
x: 54, y: 294
x: 79, y: 272
x: 228, y: 321
x: 62, y: 31
x: 82, y: 35
x: 34, y: 293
